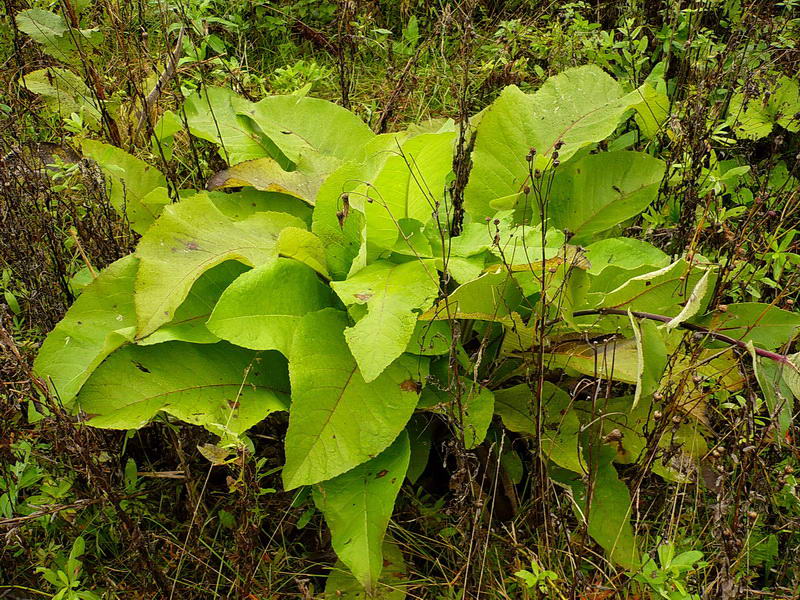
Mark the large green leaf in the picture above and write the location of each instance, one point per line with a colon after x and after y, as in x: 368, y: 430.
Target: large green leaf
x: 357, y: 506
x: 338, y: 420
x: 263, y: 307
x: 558, y: 424
x: 608, y: 511
x: 341, y: 585
x: 409, y: 186
x: 267, y: 175
x: 191, y: 237
x: 617, y: 359
x: 578, y: 107
x: 302, y: 127
x: 765, y: 325
x: 393, y: 295
x: 189, y: 322
x: 63, y: 92
x: 60, y: 41
x: 493, y: 296
x: 662, y: 291
x: 601, y: 191
x: 212, y: 114
x: 221, y: 387
x: 99, y: 322
x: 620, y: 259
x: 137, y: 190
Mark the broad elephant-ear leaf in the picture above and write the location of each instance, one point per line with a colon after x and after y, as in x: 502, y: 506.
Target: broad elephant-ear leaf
x: 100, y: 321
x: 137, y: 190
x: 213, y: 114
x: 620, y: 259
x: 263, y: 307
x: 266, y: 174
x: 408, y: 186
x: 218, y: 386
x: 61, y: 41
x: 336, y: 220
x: 577, y: 107
x: 766, y: 325
x: 191, y: 237
x: 357, y: 506
x: 601, y: 191
x: 309, y: 129
x: 393, y: 295
x: 661, y: 291
x: 324, y: 439
x: 189, y: 322
x: 305, y: 247
x: 494, y: 296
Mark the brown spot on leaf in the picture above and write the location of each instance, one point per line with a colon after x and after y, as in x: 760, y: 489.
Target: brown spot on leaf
x: 192, y: 245
x: 409, y: 385
x: 363, y: 297
x: 382, y: 473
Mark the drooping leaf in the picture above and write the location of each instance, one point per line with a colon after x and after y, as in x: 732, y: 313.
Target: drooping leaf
x: 99, y: 322
x: 601, y: 191
x: 303, y: 246
x: 56, y: 38
x: 616, y: 359
x: 357, y: 506
x: 620, y: 259
x: 325, y: 438
x: 63, y: 92
x: 696, y: 301
x: 661, y: 291
x: 652, y: 357
x: 212, y: 114
x: 337, y: 220
x: 263, y: 307
x: 302, y: 127
x: 608, y: 511
x: 493, y: 296
x: 777, y: 394
x: 137, y: 190
x: 189, y: 322
x: 765, y: 325
x: 267, y: 175
x: 393, y: 295
x: 558, y: 425
x: 341, y: 585
x: 191, y: 237
x: 578, y: 107
x: 219, y: 386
